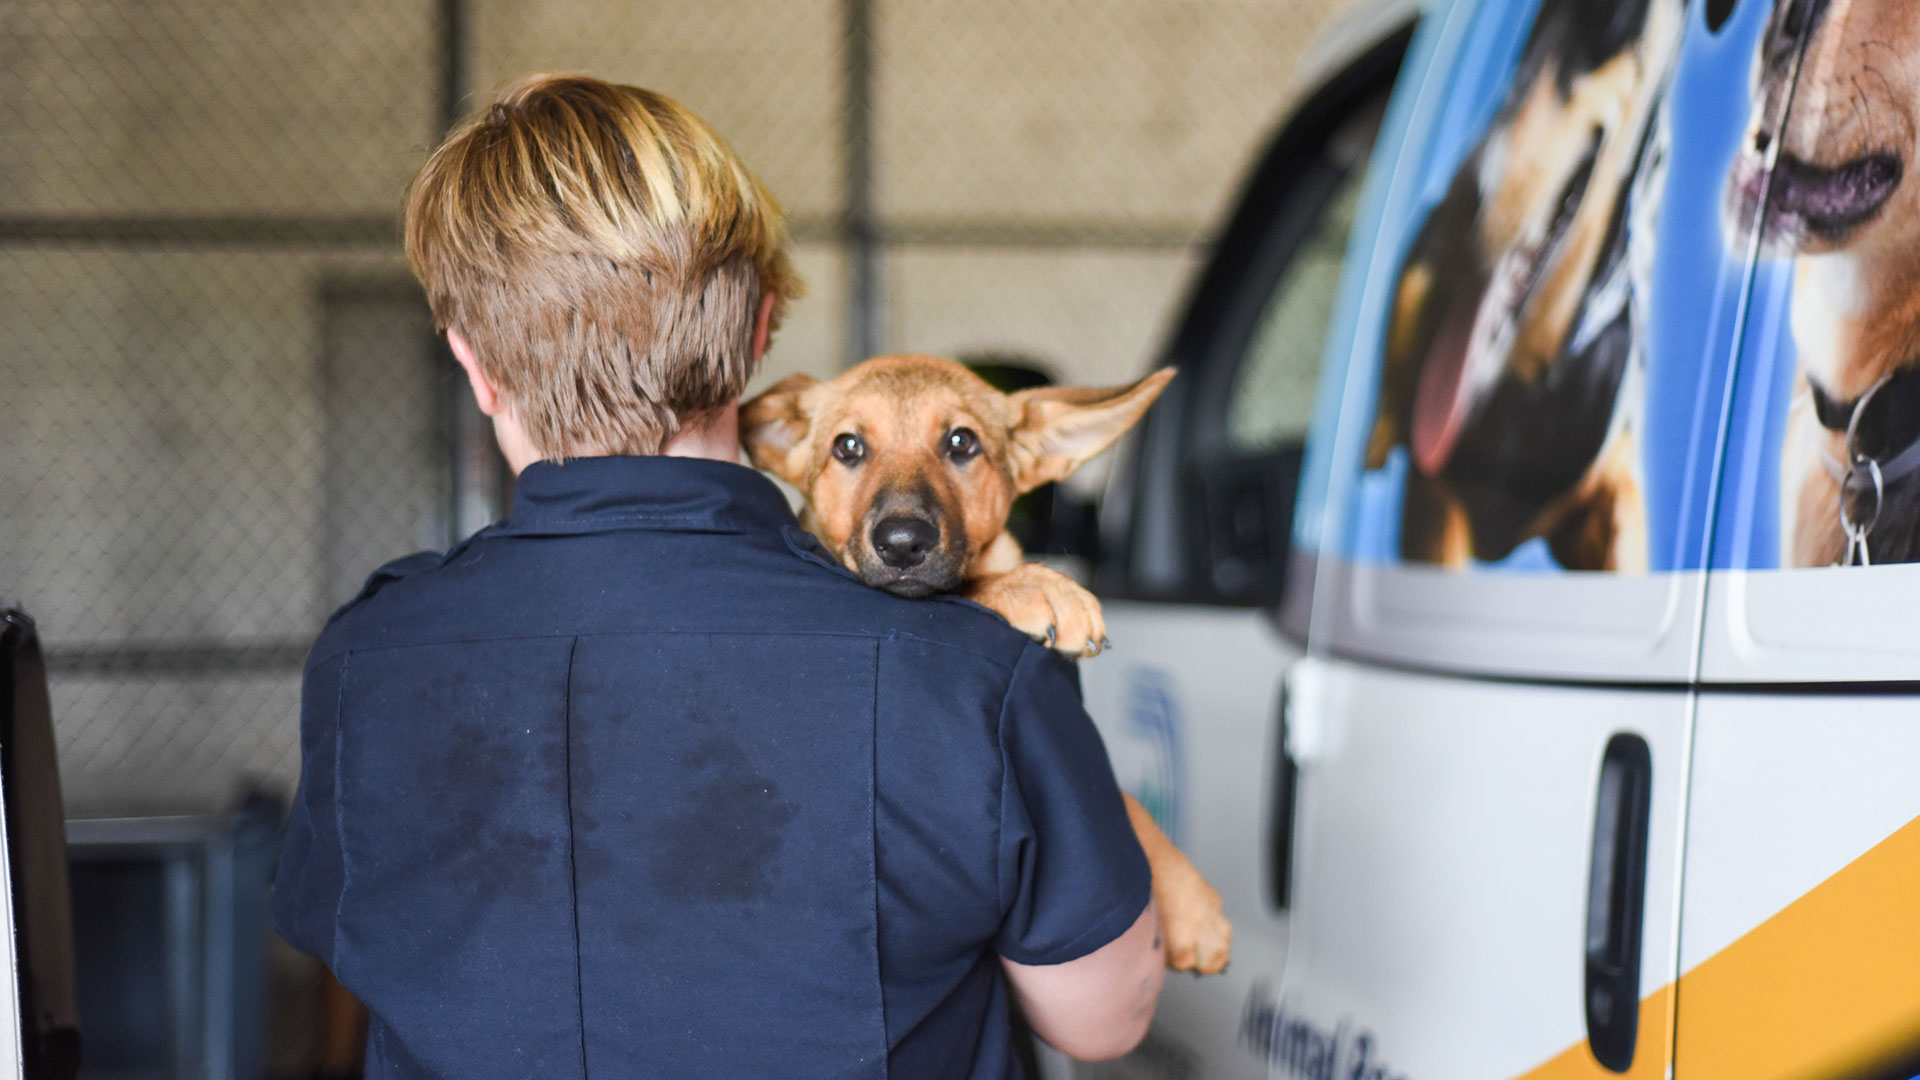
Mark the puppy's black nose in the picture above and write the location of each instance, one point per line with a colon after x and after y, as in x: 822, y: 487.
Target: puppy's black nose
x: 902, y: 542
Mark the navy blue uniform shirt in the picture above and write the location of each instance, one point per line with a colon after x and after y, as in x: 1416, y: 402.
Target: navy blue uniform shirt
x: 640, y: 784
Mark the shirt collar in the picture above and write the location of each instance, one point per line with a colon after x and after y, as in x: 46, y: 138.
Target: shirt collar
x: 669, y: 494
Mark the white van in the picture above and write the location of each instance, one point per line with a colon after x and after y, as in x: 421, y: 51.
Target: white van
x: 1567, y: 722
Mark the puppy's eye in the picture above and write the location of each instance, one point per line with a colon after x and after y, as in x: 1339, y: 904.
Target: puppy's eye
x: 962, y: 444
x: 848, y: 449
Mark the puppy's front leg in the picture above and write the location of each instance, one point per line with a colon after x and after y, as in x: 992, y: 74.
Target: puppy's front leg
x: 1049, y: 606
x: 1198, y: 935
x: 1046, y: 605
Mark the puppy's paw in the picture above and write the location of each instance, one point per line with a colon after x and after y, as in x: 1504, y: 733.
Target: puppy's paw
x: 1198, y: 936
x: 1047, y: 606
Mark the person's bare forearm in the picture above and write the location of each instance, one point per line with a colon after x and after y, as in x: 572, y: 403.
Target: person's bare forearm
x: 1099, y: 1006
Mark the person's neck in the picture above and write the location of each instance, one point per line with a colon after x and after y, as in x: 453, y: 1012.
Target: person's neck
x: 716, y: 436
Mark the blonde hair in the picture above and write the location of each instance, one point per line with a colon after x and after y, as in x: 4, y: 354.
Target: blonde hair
x: 605, y: 253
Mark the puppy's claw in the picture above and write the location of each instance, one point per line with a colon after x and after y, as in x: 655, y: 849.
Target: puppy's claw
x: 1105, y: 643
x: 1203, y: 949
x: 1053, y: 635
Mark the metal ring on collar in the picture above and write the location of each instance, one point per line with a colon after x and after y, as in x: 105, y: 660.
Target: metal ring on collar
x: 1851, y: 446
x: 1859, y: 529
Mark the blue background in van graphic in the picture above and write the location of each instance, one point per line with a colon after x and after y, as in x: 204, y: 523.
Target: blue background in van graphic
x: 1700, y: 283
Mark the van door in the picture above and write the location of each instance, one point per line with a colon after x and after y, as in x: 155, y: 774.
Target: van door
x: 1188, y: 699
x: 1817, y: 552
x: 1486, y: 881
x: 39, y: 1013
x: 1798, y: 942
x: 1507, y: 505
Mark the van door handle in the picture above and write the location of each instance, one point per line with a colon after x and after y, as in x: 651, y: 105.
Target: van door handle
x: 1617, y: 900
x: 1286, y: 777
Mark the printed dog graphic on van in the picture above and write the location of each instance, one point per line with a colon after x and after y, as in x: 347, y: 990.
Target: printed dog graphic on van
x: 1514, y: 348
x: 1838, y: 204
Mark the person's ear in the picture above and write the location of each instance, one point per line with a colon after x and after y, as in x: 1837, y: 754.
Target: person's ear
x: 763, y: 326
x: 774, y: 427
x: 1057, y: 429
x: 485, y: 394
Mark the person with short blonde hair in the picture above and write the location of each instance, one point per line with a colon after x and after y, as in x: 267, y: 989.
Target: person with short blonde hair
x: 638, y: 782
x: 603, y: 257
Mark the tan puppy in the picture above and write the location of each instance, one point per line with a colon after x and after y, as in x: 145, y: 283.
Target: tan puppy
x: 909, y: 466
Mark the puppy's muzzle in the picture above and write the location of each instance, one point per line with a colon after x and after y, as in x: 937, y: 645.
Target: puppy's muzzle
x: 903, y: 542
x: 906, y: 549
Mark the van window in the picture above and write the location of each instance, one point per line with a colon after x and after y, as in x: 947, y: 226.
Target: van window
x: 1515, y: 475
x: 1204, y: 514
x: 1271, y: 401
x: 1816, y: 555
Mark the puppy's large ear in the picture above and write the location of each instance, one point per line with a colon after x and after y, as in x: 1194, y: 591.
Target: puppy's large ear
x: 1057, y: 429
x: 773, y: 428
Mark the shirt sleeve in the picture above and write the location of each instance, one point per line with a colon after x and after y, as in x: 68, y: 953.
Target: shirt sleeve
x: 310, y: 875
x: 1072, y: 875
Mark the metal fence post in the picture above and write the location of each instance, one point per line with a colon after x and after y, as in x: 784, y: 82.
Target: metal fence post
x: 859, y: 225
x: 479, y: 477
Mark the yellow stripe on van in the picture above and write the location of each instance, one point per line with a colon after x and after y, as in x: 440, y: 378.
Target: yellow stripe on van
x: 1826, y: 989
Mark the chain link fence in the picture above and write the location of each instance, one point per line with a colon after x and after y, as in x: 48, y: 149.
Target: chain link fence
x: 222, y: 401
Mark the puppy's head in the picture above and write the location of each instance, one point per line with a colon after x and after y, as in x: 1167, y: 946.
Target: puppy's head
x: 1849, y: 134
x: 909, y: 464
